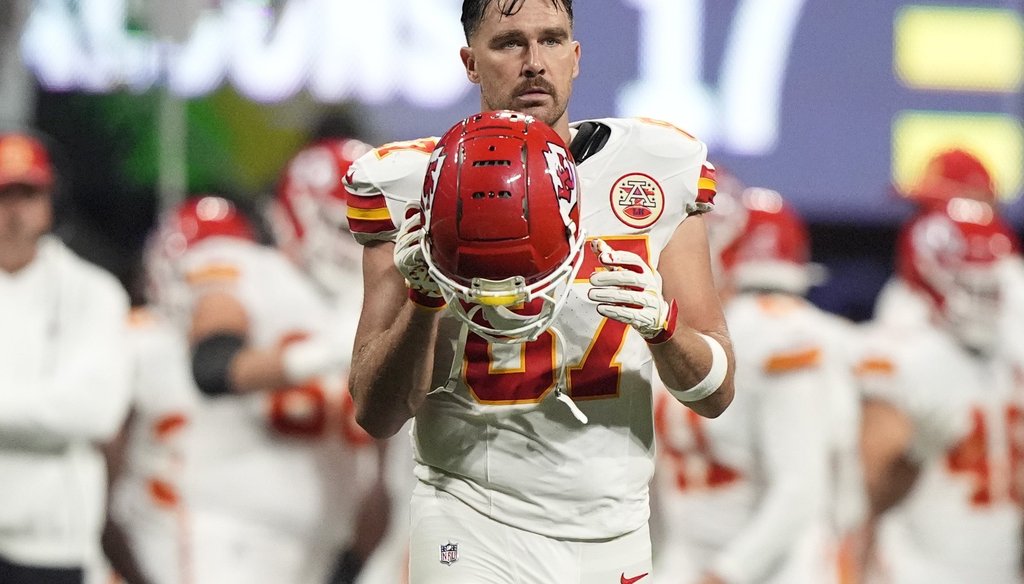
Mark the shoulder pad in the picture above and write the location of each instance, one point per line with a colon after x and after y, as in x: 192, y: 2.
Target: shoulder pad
x: 381, y: 182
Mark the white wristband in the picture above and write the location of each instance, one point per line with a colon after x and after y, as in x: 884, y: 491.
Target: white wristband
x: 713, y: 380
x: 312, y: 357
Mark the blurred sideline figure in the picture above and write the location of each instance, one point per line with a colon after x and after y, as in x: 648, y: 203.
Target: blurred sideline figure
x: 944, y: 410
x: 308, y: 215
x: 763, y: 493
x: 63, y: 380
x: 239, y: 463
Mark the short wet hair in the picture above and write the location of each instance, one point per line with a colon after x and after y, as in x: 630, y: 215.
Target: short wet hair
x: 473, y: 11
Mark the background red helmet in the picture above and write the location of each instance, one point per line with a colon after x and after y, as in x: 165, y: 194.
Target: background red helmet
x: 501, y: 222
x: 766, y: 245
x: 952, y: 254
x: 950, y: 174
x: 308, y: 211
x: 203, y: 216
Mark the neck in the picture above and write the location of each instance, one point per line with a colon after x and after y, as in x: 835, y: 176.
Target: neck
x: 14, y: 258
x: 561, y: 127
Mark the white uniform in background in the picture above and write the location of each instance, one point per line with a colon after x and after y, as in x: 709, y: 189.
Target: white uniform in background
x: 149, y: 496
x: 256, y: 488
x: 961, y: 521
x: 63, y: 392
x: 745, y: 496
x: 534, y: 465
x: 847, y: 502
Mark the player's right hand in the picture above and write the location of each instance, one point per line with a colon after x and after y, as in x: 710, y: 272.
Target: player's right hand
x: 410, y: 263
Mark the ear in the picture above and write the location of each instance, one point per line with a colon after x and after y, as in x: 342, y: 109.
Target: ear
x: 576, y: 66
x: 469, y: 62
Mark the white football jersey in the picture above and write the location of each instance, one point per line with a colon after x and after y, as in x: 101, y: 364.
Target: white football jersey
x: 746, y: 495
x: 241, y: 488
x: 64, y: 390
x: 491, y: 434
x: 961, y: 521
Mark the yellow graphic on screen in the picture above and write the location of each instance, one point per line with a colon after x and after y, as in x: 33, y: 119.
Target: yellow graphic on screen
x: 959, y: 48
x: 996, y: 139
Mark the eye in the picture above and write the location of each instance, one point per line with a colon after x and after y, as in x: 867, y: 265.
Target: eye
x: 511, y: 44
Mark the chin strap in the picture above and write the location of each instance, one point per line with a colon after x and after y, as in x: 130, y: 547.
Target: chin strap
x: 561, y: 382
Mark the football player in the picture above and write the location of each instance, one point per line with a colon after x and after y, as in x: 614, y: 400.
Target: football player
x: 308, y: 217
x: 531, y: 390
x: 751, y: 497
x: 63, y: 380
x: 241, y: 455
x: 943, y: 413
x: 953, y: 173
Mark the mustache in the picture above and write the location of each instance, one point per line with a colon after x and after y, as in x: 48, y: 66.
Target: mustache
x: 537, y: 83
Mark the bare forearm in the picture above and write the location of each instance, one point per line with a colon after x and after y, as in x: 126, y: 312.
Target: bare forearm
x: 686, y: 359
x: 391, y: 371
x: 255, y: 369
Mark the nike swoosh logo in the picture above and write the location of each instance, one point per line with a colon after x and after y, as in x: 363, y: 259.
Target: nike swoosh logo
x: 624, y: 580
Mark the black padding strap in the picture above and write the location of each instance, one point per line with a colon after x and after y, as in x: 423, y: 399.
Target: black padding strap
x: 590, y: 139
x: 211, y: 362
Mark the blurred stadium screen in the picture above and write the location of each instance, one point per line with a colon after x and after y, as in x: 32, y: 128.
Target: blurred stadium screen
x: 833, y: 104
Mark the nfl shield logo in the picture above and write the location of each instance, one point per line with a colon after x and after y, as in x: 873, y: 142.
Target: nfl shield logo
x: 449, y: 553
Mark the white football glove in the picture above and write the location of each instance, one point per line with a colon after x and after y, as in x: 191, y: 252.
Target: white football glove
x: 629, y: 291
x: 409, y: 259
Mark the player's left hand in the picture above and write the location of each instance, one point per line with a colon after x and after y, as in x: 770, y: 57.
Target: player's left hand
x: 629, y: 291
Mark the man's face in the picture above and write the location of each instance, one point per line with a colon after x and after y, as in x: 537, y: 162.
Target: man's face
x: 525, y: 62
x: 25, y: 214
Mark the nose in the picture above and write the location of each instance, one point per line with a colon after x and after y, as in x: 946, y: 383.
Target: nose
x: 534, y: 65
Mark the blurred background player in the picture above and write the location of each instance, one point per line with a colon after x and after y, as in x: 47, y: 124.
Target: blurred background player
x: 943, y: 412
x: 63, y: 380
x: 949, y: 174
x: 308, y: 215
x: 750, y: 497
x: 244, y: 471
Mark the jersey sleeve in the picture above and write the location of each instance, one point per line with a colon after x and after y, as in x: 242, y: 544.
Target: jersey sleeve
x: 381, y: 184
x: 706, y: 189
x: 694, y: 178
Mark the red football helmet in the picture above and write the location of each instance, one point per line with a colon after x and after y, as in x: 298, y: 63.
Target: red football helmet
x: 308, y: 212
x: 501, y: 216
x: 952, y: 255
x: 197, y: 219
x: 953, y: 173
x: 761, y: 243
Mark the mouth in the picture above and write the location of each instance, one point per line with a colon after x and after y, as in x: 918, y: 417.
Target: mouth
x: 533, y: 92
x: 532, y: 96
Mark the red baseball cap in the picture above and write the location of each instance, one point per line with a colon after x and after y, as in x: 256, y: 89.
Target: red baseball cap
x: 24, y: 161
x: 954, y: 173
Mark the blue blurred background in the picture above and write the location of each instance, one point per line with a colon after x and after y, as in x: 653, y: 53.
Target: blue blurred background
x: 838, y: 105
